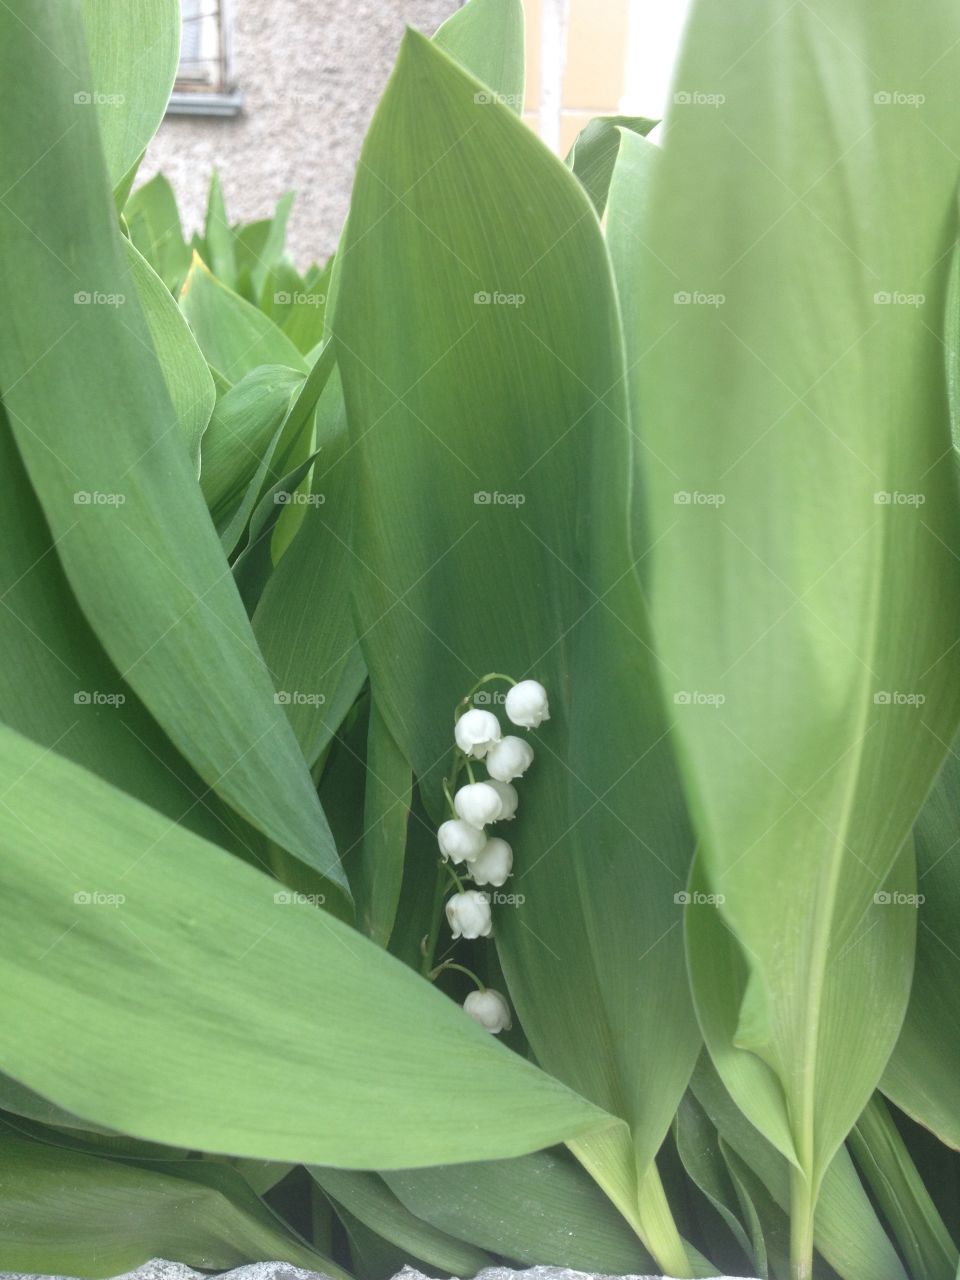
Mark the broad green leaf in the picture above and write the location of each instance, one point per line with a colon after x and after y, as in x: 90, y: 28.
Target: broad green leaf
x: 154, y: 222
x: 804, y: 585
x: 233, y: 335
x: 518, y: 561
x: 121, y: 191
x: 367, y: 1197
x: 923, y: 1074
x: 17, y: 1100
x: 134, y: 47
x: 698, y: 1146
x: 593, y: 155
x: 185, y: 372
x: 64, y: 1213
x: 371, y: 1256
x: 92, y: 419
x: 487, y: 38
x: 218, y: 236
x: 298, y: 306
x: 896, y: 1184
x: 386, y: 815
x: 769, y: 1224
x: 57, y: 685
x: 303, y: 620
x: 271, y: 252
x: 848, y: 1233
x: 254, y: 565
x: 540, y: 1209
x: 244, y: 423
x: 113, y: 913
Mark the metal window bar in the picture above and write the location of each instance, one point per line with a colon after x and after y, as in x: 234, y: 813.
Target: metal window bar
x: 200, y: 69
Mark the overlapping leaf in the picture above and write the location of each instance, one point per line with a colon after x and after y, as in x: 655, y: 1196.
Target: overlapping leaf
x: 789, y: 396
x: 505, y: 405
x: 112, y: 913
x: 93, y: 421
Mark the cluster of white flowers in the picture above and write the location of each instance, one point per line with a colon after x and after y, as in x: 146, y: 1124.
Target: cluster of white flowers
x: 488, y: 860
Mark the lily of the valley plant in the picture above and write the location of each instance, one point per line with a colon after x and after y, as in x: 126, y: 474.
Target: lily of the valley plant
x: 650, y: 960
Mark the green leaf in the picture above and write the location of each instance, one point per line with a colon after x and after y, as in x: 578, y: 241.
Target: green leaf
x: 805, y: 591
x: 57, y: 685
x: 254, y: 565
x: 271, y: 252
x: 113, y: 912
x: 367, y: 1197
x: 848, y: 1233
x: 699, y: 1149
x: 299, y: 305
x: 218, y: 236
x: 894, y: 1180
x: 154, y: 221
x: 92, y: 419
x: 455, y: 586
x: 923, y: 1074
x: 233, y: 335
x: 189, y: 382
x: 593, y: 155
x: 487, y: 38
x: 244, y: 426
x: 386, y: 814
x: 303, y: 622
x: 540, y: 1209
x: 62, y: 1212
x: 134, y: 47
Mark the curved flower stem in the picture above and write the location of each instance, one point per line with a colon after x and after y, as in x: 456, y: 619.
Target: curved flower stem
x: 464, y: 703
x: 456, y: 879
x: 446, y: 792
x: 452, y: 964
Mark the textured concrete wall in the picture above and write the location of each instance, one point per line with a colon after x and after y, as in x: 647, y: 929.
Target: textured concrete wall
x: 311, y: 72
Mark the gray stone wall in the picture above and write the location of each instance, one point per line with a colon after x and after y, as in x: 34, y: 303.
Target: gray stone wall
x: 311, y: 72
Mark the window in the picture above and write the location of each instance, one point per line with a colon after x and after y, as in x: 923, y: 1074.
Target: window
x: 204, y: 84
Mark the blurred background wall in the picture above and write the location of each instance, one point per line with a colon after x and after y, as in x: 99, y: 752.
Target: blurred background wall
x: 277, y: 94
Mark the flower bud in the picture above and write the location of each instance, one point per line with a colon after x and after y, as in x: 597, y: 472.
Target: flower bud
x: 468, y: 914
x: 508, y: 798
x: 476, y: 731
x: 478, y: 803
x: 526, y: 704
x: 490, y: 1009
x: 493, y: 863
x: 460, y: 841
x: 509, y: 759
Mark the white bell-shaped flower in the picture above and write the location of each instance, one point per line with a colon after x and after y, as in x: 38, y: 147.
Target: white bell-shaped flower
x: 508, y: 798
x: 493, y: 863
x: 490, y: 1009
x: 459, y: 841
x: 478, y: 803
x: 509, y: 759
x: 526, y: 704
x: 468, y: 914
x: 476, y: 731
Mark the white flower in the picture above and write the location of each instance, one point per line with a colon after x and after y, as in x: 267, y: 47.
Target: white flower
x: 493, y: 863
x: 509, y: 759
x: 459, y: 840
x: 478, y: 803
x: 476, y: 731
x: 490, y: 1009
x: 508, y: 798
x: 468, y: 914
x: 526, y: 704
